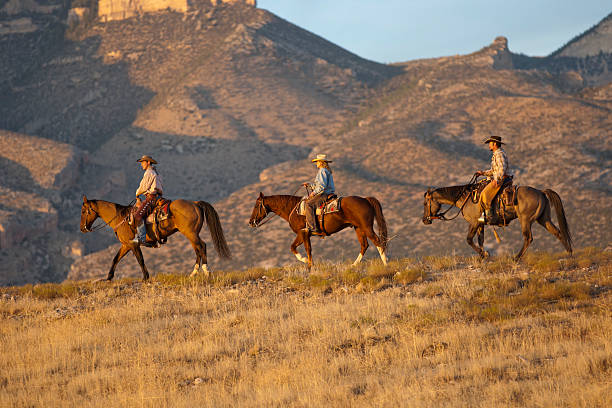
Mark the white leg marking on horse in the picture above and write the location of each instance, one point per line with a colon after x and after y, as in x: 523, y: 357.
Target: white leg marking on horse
x: 196, y: 268
x: 383, y: 256
x: 204, y: 269
x: 358, y: 259
x: 301, y: 258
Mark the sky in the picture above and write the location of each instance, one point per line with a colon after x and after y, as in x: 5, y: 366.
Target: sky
x: 402, y: 30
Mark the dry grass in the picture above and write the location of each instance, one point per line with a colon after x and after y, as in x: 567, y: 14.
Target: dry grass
x: 429, y: 332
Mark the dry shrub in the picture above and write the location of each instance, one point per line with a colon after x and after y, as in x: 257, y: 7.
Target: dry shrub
x: 319, y: 282
x: 351, y: 276
x: 51, y: 290
x: 410, y: 275
x: 377, y: 269
x: 502, y: 264
x: 540, y: 261
x: 442, y: 263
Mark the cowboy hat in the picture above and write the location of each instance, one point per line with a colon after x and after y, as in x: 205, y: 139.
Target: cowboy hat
x: 496, y: 139
x: 321, y: 157
x: 147, y: 158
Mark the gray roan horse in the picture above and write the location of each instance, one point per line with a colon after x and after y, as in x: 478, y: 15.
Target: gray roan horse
x: 186, y: 217
x: 531, y: 205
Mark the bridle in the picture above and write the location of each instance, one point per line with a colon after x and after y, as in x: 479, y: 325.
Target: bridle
x: 260, y: 200
x: 442, y: 215
x: 262, y: 207
x: 88, y: 211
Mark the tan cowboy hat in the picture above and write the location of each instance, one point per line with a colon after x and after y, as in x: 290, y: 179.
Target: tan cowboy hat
x: 147, y: 158
x: 493, y: 138
x: 321, y: 157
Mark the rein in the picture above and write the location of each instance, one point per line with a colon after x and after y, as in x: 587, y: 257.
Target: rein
x: 104, y: 223
x: 266, y: 212
x: 442, y: 215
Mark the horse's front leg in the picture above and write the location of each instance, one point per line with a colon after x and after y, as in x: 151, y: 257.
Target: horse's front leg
x: 480, y: 233
x: 296, y: 243
x: 138, y: 254
x: 470, y: 240
x: 120, y: 254
x: 305, y: 236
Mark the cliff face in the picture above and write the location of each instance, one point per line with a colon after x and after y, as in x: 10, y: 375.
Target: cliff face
x: 109, y: 10
x: 121, y: 9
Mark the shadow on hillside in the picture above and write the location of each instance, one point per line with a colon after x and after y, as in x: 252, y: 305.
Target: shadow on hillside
x: 198, y: 168
x: 428, y: 134
x: 16, y: 177
x: 75, y: 97
x: 369, y: 176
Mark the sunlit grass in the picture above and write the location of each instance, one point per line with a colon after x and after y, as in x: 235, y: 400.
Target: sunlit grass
x: 417, y: 332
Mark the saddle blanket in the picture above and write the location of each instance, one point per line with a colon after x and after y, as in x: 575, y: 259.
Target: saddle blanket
x: 330, y: 206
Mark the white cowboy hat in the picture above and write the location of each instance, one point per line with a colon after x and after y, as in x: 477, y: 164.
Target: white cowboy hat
x: 321, y: 157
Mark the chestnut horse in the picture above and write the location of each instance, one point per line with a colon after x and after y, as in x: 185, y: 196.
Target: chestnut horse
x: 356, y: 212
x: 531, y: 205
x: 185, y: 216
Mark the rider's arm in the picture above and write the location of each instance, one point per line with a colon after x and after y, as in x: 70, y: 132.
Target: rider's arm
x: 320, y: 182
x: 145, y: 183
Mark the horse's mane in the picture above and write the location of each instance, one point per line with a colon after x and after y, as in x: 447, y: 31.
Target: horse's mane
x: 453, y: 193
x: 119, y: 207
x: 286, y: 201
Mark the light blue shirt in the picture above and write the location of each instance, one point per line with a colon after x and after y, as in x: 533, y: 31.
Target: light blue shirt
x: 324, y: 182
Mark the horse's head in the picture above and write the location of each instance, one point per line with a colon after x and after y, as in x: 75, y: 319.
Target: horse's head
x: 430, y: 207
x: 88, y: 215
x: 259, y: 211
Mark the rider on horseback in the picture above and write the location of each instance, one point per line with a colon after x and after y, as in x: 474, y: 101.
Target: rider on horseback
x: 322, y: 187
x: 500, y: 169
x: 151, y: 187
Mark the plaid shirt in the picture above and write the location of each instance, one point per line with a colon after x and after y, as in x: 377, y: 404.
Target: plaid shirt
x: 499, y: 166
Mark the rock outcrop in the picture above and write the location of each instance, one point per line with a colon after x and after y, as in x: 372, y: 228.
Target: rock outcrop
x: 121, y: 9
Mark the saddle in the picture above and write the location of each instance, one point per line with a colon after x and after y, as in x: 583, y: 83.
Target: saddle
x: 158, y: 212
x: 331, y: 205
x: 505, y: 199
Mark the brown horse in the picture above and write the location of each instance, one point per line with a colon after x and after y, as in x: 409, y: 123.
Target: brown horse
x: 185, y: 216
x: 356, y: 212
x: 531, y: 205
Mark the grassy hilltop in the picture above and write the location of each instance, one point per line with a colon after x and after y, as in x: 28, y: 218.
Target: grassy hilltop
x: 436, y: 331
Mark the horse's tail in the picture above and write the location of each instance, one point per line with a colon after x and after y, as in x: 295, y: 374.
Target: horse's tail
x: 214, y: 226
x: 380, y: 220
x: 555, y: 200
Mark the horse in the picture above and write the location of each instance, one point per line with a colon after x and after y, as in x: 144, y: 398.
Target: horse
x: 185, y: 216
x: 531, y: 205
x: 356, y: 212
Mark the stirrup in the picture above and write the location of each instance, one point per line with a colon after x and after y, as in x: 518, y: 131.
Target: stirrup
x: 482, y: 218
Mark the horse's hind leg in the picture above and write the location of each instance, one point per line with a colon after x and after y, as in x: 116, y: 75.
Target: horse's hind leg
x: 527, y: 237
x: 138, y: 254
x: 199, y: 248
x: 363, y: 241
x: 296, y: 243
x: 547, y: 223
x: 120, y: 254
x: 369, y: 232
